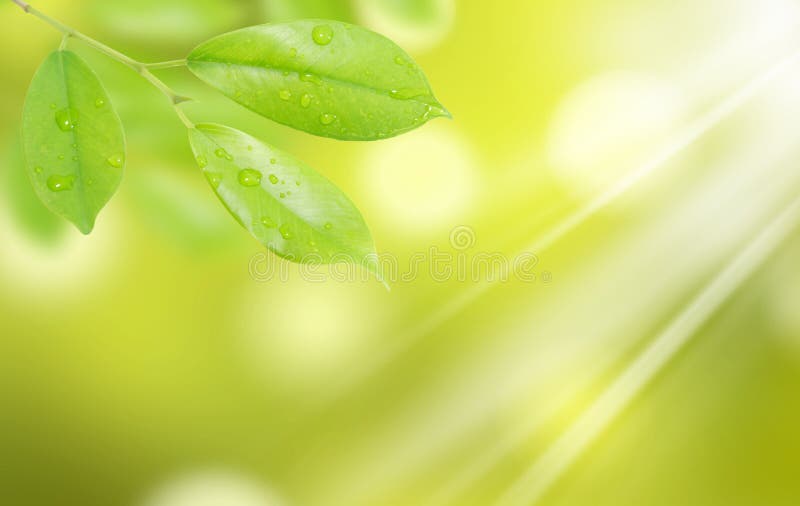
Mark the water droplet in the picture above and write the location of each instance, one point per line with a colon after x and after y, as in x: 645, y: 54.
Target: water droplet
x: 99, y: 103
x: 75, y: 146
x: 408, y: 93
x: 285, y: 95
x: 116, y: 161
x: 322, y: 34
x: 268, y: 222
x: 328, y: 226
x: 38, y: 170
x: 312, y: 244
x: 90, y: 182
x: 66, y: 119
x: 311, y: 78
x: 53, y: 106
x: 326, y: 118
x: 273, y: 179
x: 293, y: 53
x: 297, y: 183
x: 283, y: 195
x: 214, y: 179
x: 75, y: 158
x: 285, y: 232
x: 286, y: 73
x: 58, y: 183
x: 399, y: 60
x: 61, y: 157
x: 202, y: 161
x: 249, y: 177
x: 306, y: 99
x: 221, y: 153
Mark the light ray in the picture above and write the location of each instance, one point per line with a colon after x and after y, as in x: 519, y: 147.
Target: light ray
x: 692, y: 133
x: 531, y: 487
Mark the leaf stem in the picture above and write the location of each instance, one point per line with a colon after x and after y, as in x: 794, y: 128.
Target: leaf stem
x: 165, y: 64
x: 142, y: 69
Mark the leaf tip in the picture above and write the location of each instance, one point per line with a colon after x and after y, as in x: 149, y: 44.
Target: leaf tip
x: 85, y: 227
x: 440, y: 111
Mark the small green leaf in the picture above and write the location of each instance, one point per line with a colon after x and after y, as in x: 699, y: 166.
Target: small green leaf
x: 290, y: 208
x: 73, y: 140
x: 326, y: 78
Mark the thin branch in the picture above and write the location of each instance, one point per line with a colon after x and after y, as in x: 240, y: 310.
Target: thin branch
x: 140, y: 68
x: 23, y: 5
x: 165, y: 64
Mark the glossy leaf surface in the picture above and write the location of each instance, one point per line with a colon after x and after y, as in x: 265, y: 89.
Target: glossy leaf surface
x: 289, y: 207
x: 326, y: 78
x: 73, y: 140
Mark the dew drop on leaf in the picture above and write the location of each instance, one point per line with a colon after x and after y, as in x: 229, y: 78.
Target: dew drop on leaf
x: 214, y: 179
x: 286, y: 233
x: 311, y: 78
x: 306, y: 99
x: 328, y: 226
x: 249, y: 177
x: 273, y: 161
x: 38, y: 170
x: 268, y: 222
x: 66, y: 119
x: 285, y: 95
x: 99, y: 103
x: 293, y: 53
x: 322, y: 35
x: 202, y: 161
x: 116, y: 161
x: 283, y: 195
x: 326, y: 118
x: 58, y: 183
x: 273, y: 179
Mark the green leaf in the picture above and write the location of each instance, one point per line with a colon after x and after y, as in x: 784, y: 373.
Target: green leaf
x: 73, y: 140
x: 326, y: 78
x: 290, y: 208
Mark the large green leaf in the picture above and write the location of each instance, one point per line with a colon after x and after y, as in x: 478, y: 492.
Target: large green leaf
x: 286, y: 205
x: 73, y: 140
x: 327, y: 78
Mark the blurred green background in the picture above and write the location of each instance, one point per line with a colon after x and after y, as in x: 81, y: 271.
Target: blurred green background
x: 144, y: 365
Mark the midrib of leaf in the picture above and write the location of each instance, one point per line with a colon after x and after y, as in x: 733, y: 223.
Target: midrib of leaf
x: 74, y: 135
x: 335, y: 80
